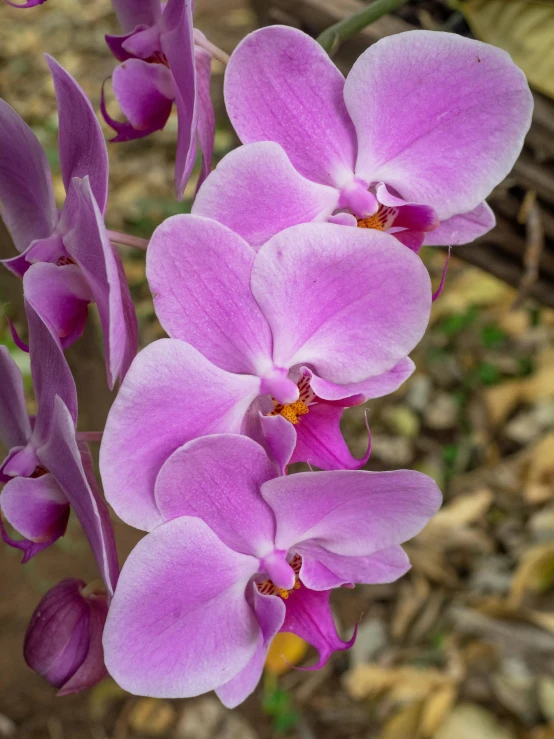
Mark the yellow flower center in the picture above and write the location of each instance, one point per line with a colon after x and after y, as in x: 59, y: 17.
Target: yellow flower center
x: 300, y: 407
x: 381, y: 221
x: 373, y: 221
x: 268, y: 588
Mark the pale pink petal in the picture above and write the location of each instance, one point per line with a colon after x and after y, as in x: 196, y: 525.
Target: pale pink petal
x: 280, y: 85
x: 374, y: 387
x: 322, y: 570
x: 256, y: 192
x: 217, y: 478
x: 199, y: 274
x: 179, y: 624
x: 439, y: 117
x: 463, y: 228
x: 354, y: 513
x: 358, y: 305
x: 170, y: 395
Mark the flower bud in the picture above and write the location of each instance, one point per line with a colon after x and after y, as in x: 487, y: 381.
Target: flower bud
x: 63, y: 642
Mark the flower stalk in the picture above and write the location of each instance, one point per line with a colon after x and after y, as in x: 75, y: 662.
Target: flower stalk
x: 333, y: 36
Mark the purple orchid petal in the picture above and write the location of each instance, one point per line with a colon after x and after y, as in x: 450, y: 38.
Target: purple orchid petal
x: 35, y: 507
x: 145, y: 93
x: 15, y: 428
x: 63, y: 640
x: 218, y: 478
x: 463, y: 228
x: 280, y: 85
x: 322, y: 570
x: 144, y: 43
x: 376, y: 307
x: 418, y: 133
x: 270, y: 613
x: 206, y: 116
x: 199, y: 269
x: 279, y: 439
x: 360, y: 513
x: 89, y: 245
x: 115, y: 45
x: 256, y: 192
x: 178, y: 46
x: 27, y: 4
x: 132, y: 13
x: 50, y: 372
x: 81, y: 141
x: 163, y: 635
x: 309, y: 616
x: 28, y: 207
x: 358, y: 392
x: 319, y: 440
x: 17, y: 265
x: 27, y: 547
x: 60, y: 455
x: 170, y: 395
x: 61, y: 296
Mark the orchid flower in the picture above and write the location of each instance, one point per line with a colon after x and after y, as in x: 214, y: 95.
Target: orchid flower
x: 46, y: 470
x: 199, y: 599
x: 63, y: 642
x: 340, y: 307
x: 66, y: 259
x: 424, y: 127
x: 27, y: 4
x: 163, y: 60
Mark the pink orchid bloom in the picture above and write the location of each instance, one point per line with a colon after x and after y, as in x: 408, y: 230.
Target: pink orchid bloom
x: 163, y: 61
x: 199, y: 599
x: 66, y: 259
x: 412, y: 142
x: 46, y: 470
x: 63, y: 642
x: 340, y: 307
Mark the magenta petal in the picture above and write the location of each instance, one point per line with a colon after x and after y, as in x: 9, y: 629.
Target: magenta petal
x: 132, y: 13
x: 50, y: 372
x: 270, y: 612
x: 17, y: 265
x: 463, y: 228
x: 309, y: 616
x: 28, y: 208
x: 170, y: 395
x: 439, y: 117
x: 319, y: 440
x: 89, y: 245
x: 81, y: 141
x: 60, y: 454
x: 178, y: 46
x: 27, y: 4
x: 279, y: 437
x: 322, y: 570
x: 256, y: 192
x: 206, y: 116
x: 281, y: 86
x: 353, y: 512
x: 61, y: 296
x: 116, y: 45
x: 358, y: 392
x: 179, y: 623
x: 145, y: 93
x: 15, y: 428
x: 27, y: 547
x: 376, y: 306
x: 35, y: 507
x: 217, y: 478
x: 199, y: 274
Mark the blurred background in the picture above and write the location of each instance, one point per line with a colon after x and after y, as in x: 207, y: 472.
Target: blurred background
x: 462, y: 647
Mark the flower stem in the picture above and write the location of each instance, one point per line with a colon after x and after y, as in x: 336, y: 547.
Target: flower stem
x: 333, y: 36
x: 128, y: 240
x: 214, y: 50
x: 88, y: 435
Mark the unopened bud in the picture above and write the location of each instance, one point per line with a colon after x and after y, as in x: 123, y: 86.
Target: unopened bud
x: 63, y: 642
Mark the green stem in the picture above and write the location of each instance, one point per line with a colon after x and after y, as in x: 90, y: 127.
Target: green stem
x: 333, y: 36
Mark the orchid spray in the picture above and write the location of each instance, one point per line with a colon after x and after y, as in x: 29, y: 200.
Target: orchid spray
x: 293, y: 291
